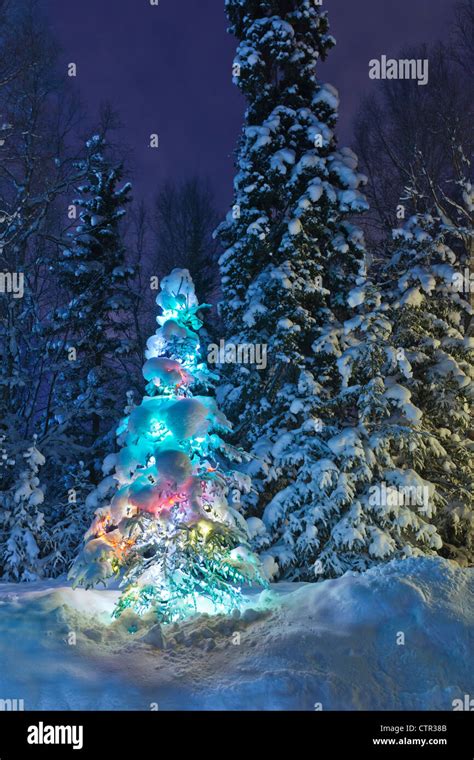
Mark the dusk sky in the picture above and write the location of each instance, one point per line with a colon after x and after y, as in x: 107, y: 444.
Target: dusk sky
x: 167, y: 69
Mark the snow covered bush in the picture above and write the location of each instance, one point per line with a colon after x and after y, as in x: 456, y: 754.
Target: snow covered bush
x: 25, y: 544
x: 70, y: 517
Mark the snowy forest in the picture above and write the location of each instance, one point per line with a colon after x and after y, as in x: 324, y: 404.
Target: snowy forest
x: 194, y: 403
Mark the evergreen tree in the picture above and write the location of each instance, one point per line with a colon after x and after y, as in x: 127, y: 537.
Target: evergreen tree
x: 355, y: 493
x: 430, y: 291
x: 290, y: 256
x: 326, y: 420
x: 168, y: 528
x: 94, y: 272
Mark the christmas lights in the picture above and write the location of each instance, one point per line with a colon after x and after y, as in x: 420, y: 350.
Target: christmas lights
x: 169, y: 531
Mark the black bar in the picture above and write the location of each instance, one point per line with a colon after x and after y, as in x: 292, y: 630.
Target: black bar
x: 306, y: 734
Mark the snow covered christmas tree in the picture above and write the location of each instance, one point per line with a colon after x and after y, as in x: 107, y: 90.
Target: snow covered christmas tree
x: 327, y: 420
x: 169, y: 530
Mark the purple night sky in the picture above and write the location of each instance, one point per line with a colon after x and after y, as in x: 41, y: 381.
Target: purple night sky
x: 167, y: 69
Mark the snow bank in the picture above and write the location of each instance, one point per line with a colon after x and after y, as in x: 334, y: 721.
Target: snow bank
x: 337, y: 644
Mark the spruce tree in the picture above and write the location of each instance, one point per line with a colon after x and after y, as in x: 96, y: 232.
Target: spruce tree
x: 326, y: 420
x: 429, y: 287
x: 290, y: 254
x: 169, y: 530
x: 93, y: 272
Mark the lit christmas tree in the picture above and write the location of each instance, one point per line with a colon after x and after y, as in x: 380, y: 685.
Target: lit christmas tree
x: 169, y: 530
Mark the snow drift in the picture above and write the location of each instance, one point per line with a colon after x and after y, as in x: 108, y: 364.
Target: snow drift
x: 331, y: 645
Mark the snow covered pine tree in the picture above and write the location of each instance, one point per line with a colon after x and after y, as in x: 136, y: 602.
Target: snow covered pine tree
x: 169, y: 527
x: 92, y: 270
x: 324, y: 420
x: 430, y: 310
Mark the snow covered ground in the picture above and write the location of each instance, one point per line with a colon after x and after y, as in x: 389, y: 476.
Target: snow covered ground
x: 336, y: 644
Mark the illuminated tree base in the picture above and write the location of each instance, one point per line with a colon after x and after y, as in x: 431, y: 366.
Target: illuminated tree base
x: 190, y: 572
